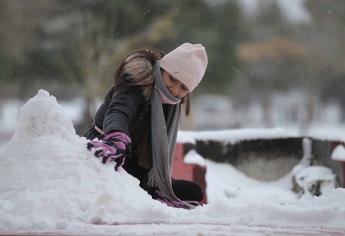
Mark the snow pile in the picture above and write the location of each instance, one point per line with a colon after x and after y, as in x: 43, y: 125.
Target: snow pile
x: 311, y: 180
x: 234, y: 187
x: 50, y: 180
x: 51, y: 183
x: 234, y: 198
x: 338, y: 153
x: 315, y: 179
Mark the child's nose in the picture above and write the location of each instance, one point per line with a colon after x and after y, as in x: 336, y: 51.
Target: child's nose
x: 176, y: 91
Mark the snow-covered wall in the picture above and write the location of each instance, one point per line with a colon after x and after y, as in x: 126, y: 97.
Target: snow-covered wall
x: 265, y: 154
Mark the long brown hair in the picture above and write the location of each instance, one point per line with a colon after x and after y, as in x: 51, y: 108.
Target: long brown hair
x: 136, y: 70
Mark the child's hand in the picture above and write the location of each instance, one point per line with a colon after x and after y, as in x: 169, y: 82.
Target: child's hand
x: 114, y: 146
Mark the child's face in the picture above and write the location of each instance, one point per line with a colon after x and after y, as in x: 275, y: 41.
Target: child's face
x: 175, y: 87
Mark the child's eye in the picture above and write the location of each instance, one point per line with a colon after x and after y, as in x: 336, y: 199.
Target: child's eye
x: 173, y: 79
x: 185, y: 88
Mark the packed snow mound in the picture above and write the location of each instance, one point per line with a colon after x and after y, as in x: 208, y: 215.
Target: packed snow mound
x: 43, y: 116
x: 50, y: 180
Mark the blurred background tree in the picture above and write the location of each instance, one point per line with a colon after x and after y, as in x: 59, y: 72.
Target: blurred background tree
x: 72, y: 47
x: 271, y: 58
x: 78, y: 43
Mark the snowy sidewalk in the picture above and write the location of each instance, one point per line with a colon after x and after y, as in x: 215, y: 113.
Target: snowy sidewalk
x: 188, y: 229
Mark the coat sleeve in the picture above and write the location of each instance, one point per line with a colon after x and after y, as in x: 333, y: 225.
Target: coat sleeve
x: 122, y: 109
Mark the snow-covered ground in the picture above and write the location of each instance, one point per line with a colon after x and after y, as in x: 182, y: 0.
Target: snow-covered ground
x: 51, y: 184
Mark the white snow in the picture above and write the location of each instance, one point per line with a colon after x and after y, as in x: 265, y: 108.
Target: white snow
x: 235, y: 135
x: 51, y: 183
x: 310, y: 176
x: 327, y: 133
x: 192, y: 157
x: 49, y: 179
x: 182, y: 137
x: 338, y: 153
x: 306, y: 159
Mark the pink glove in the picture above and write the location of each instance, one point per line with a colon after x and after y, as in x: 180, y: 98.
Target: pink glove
x: 115, y: 146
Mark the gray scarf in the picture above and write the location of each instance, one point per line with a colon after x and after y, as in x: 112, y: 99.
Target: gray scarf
x: 163, y: 138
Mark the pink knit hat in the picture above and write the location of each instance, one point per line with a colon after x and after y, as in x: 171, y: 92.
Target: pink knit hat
x: 187, y: 63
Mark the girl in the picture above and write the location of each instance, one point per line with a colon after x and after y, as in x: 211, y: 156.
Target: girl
x: 136, y: 126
